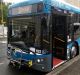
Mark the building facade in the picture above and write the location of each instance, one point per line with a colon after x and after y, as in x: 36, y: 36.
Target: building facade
x: 73, y: 2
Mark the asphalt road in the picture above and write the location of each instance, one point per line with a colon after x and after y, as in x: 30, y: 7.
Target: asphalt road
x: 5, y: 69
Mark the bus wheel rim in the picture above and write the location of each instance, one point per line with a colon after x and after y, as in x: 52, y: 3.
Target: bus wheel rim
x: 74, y: 51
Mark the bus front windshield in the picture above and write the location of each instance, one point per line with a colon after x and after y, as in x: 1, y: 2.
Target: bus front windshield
x: 32, y: 31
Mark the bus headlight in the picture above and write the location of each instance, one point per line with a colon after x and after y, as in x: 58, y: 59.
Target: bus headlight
x: 38, y: 60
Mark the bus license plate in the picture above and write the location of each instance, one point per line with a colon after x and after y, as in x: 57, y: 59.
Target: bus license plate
x: 30, y: 63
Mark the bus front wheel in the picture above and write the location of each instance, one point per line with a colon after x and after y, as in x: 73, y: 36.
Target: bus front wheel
x: 14, y: 65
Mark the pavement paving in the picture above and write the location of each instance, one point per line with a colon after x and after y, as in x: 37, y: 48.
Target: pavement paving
x: 68, y: 68
x: 73, y: 69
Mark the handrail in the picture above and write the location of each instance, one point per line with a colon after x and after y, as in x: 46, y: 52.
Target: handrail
x: 46, y: 41
x: 59, y: 39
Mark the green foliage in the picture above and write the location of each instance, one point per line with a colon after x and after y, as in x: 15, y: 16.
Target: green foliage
x: 5, y: 11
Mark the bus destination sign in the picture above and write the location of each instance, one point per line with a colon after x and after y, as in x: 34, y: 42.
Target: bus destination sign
x: 26, y: 9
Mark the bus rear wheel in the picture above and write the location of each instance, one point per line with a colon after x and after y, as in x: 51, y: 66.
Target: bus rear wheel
x: 74, y: 50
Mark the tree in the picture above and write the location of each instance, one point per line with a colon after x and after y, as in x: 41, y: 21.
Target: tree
x: 5, y: 11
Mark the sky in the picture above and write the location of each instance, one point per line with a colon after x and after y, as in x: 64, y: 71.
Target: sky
x: 14, y: 1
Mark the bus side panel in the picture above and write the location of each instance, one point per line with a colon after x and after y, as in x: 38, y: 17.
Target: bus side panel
x: 78, y: 40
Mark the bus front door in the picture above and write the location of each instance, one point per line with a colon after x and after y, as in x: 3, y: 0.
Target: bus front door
x: 59, y: 39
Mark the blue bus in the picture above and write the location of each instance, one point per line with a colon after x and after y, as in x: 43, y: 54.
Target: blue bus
x: 43, y: 34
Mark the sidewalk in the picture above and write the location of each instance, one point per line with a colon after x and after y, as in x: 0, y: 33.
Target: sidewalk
x: 72, y: 67
x: 3, y: 48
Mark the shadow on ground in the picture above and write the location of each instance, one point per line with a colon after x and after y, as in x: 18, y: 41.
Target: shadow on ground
x: 23, y: 71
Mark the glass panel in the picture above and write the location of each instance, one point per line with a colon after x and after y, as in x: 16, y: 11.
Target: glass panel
x: 32, y: 31
x: 24, y: 29
x: 45, y: 34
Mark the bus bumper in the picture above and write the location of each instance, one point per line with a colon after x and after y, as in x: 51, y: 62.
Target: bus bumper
x: 44, y: 65
x: 37, y: 62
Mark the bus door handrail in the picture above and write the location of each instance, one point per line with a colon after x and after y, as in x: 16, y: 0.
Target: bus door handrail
x: 46, y: 41
x: 59, y: 39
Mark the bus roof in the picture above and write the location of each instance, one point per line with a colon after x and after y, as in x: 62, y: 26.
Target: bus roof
x: 29, y: 2
x: 55, y: 3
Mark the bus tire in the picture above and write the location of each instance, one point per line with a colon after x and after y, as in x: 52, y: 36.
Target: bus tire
x: 14, y: 65
x: 10, y: 64
x: 74, y: 50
